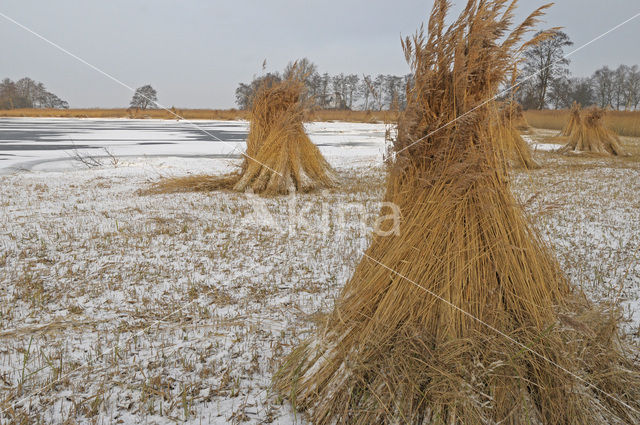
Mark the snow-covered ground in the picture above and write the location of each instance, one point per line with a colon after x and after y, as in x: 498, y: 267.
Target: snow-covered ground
x: 121, y: 307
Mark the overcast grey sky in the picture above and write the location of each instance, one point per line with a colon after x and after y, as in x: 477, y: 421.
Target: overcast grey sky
x: 195, y: 52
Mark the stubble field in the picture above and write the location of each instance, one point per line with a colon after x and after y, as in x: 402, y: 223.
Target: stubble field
x: 124, y: 307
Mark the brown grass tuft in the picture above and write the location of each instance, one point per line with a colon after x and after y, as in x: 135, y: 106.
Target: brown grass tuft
x: 196, y: 183
x: 465, y: 316
x: 591, y: 135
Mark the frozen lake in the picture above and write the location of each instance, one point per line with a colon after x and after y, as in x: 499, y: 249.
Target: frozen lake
x: 29, y: 144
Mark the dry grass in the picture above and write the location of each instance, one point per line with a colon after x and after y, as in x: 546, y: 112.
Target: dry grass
x: 623, y: 123
x: 590, y: 134
x: 199, y: 114
x: 202, y: 264
x: 396, y: 349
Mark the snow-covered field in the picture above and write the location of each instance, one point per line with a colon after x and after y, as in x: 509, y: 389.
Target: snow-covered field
x: 121, y: 307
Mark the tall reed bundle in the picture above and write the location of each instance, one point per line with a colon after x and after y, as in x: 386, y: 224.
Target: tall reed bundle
x: 575, y: 120
x: 283, y: 158
x: 464, y: 317
x: 517, y: 117
x: 591, y: 135
x: 280, y: 158
x: 511, y: 119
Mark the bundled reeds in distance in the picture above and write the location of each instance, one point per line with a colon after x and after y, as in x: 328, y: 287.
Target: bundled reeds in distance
x: 511, y: 122
x: 592, y: 135
x: 280, y: 158
x: 624, y: 123
x: 464, y: 317
x: 575, y: 120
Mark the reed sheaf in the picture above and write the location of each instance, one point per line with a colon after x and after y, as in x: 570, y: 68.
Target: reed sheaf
x: 511, y: 121
x: 465, y: 316
x: 588, y: 133
x: 279, y: 159
x: 574, y: 122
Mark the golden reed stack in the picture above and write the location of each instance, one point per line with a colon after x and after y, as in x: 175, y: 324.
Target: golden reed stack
x: 575, y: 120
x: 588, y: 133
x: 464, y: 317
x: 280, y: 158
x: 510, y: 122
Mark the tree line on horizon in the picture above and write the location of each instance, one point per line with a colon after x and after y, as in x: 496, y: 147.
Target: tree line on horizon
x: 341, y: 91
x: 545, y: 82
x: 27, y: 93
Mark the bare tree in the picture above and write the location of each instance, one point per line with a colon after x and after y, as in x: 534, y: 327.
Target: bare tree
x: 546, y: 61
x: 619, y: 81
x: 632, y: 88
x: 582, y: 91
x: 603, y: 86
x: 338, y: 83
x: 144, y: 97
x: 377, y: 88
x: 27, y: 93
x: 365, y: 92
x: 560, y: 93
x: 245, y: 92
x: 324, y: 94
x: 303, y: 68
x: 351, y: 89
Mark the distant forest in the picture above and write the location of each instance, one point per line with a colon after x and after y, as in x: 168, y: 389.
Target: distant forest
x: 342, y: 91
x: 544, y: 83
x: 27, y: 93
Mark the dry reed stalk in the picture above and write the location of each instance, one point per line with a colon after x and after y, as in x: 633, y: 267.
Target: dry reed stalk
x: 591, y: 135
x: 511, y: 120
x: 396, y: 349
x: 575, y: 121
x: 280, y: 158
